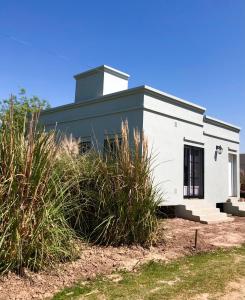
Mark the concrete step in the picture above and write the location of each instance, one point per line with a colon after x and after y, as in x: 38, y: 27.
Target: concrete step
x: 200, y: 206
x: 201, y: 211
x: 241, y: 205
x: 217, y: 221
x: 235, y: 208
x: 213, y: 215
x: 204, y: 210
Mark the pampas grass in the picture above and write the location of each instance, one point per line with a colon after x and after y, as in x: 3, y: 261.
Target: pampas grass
x: 33, y: 197
x: 49, y: 194
x: 118, y: 196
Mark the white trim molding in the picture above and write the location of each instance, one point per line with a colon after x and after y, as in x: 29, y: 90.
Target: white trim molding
x: 220, y: 123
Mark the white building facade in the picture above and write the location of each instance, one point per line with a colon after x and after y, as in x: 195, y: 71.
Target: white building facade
x: 197, y: 157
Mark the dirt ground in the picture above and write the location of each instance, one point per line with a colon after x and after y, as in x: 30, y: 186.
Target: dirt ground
x: 234, y: 291
x: 175, y: 238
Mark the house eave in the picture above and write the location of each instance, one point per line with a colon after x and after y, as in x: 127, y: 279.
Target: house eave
x: 146, y: 90
x: 173, y: 99
x: 220, y: 123
x: 116, y: 95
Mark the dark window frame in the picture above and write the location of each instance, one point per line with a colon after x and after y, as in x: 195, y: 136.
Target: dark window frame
x: 193, y: 170
x: 85, y: 145
x: 110, y: 145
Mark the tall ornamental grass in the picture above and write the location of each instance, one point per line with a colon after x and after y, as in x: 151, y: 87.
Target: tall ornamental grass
x: 33, y: 197
x: 49, y: 194
x: 118, y: 200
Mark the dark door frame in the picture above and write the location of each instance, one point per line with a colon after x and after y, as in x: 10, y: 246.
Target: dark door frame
x: 193, y: 171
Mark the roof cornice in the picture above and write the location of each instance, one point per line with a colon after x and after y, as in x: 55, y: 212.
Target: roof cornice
x: 146, y: 90
x: 137, y: 90
x: 173, y: 99
x: 108, y: 97
x: 221, y: 124
x: 103, y: 68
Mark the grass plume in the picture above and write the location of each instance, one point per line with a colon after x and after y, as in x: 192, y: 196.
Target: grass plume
x: 33, y: 228
x: 121, y: 199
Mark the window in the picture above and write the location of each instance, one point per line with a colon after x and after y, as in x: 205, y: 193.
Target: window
x: 110, y: 145
x: 84, y: 146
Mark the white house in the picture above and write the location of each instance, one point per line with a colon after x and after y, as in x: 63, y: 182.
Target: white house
x: 197, y: 155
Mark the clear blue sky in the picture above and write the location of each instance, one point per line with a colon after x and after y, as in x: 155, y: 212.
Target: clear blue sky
x: 194, y: 49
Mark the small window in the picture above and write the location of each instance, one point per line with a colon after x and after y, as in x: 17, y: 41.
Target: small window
x: 84, y: 146
x: 110, y: 146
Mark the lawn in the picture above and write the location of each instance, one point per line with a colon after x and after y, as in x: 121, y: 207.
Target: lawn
x: 206, y: 273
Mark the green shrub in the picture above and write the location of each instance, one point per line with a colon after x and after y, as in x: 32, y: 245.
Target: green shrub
x: 118, y: 201
x: 33, y: 197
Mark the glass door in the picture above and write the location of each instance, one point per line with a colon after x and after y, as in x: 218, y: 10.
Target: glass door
x: 193, y: 172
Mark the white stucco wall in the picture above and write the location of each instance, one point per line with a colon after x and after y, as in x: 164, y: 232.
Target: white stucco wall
x: 169, y: 128
x: 168, y: 123
x: 216, y: 167
x: 166, y: 136
x: 89, y: 87
x: 113, y: 84
x: 96, y: 118
x: 98, y: 82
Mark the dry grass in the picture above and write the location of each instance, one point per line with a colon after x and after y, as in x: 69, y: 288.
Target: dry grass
x: 118, y: 200
x: 47, y: 190
x: 33, y: 228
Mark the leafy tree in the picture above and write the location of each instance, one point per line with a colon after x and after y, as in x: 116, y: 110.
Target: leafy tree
x: 23, y: 105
